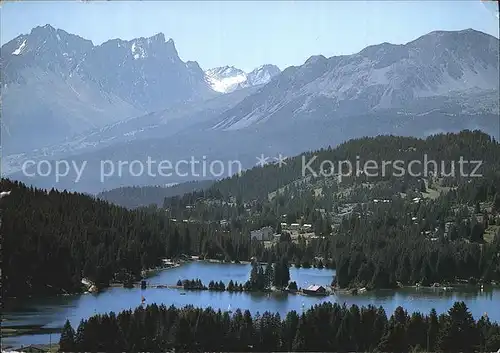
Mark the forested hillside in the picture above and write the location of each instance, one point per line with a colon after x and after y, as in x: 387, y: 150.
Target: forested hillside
x: 257, y: 183
x: 52, y: 239
x: 377, y: 230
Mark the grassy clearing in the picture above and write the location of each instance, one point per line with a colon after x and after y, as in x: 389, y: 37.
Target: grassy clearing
x: 489, y: 234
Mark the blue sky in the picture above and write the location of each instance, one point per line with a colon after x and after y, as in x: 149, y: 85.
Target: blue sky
x: 248, y: 34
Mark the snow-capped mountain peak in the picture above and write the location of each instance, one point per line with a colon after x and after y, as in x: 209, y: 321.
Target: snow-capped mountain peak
x: 226, y: 79
x: 262, y: 75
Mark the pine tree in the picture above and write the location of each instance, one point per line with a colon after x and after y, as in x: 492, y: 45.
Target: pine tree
x: 459, y: 332
x: 432, y: 331
x: 67, y: 340
x: 80, y: 345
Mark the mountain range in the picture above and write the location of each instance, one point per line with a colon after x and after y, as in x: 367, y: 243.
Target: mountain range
x: 130, y: 100
x: 74, y: 86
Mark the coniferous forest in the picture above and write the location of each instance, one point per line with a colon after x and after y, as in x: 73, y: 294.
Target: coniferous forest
x: 51, y: 240
x: 323, y: 328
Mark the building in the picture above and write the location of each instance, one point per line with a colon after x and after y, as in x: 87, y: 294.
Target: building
x: 294, y: 226
x: 262, y: 234
x: 314, y: 290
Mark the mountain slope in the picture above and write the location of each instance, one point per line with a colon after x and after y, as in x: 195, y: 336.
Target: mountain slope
x: 73, y: 86
x: 384, y: 76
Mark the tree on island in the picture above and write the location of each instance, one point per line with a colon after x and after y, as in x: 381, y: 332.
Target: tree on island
x: 281, y: 273
x: 257, y: 277
x: 269, y: 275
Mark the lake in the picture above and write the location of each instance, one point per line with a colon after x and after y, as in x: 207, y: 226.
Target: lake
x: 51, y: 313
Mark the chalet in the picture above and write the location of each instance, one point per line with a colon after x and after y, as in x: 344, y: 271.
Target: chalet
x: 314, y: 290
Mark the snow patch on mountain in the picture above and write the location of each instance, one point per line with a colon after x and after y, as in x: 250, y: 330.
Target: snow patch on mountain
x: 137, y: 51
x: 20, y: 48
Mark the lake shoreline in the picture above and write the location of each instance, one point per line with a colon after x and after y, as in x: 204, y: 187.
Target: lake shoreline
x: 152, y: 272
x: 52, y: 312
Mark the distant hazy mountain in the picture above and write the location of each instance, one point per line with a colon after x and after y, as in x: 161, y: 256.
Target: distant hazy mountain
x: 140, y: 196
x: 189, y: 117
x: 228, y: 78
x: 145, y: 71
x: 384, y: 76
x: 56, y: 84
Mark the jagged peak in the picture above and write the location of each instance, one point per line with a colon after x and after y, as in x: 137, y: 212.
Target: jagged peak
x: 158, y: 37
x: 46, y: 27
x: 171, y: 45
x: 139, y: 46
x: 193, y: 65
x: 48, y: 31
